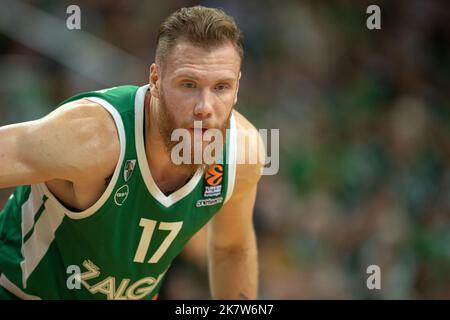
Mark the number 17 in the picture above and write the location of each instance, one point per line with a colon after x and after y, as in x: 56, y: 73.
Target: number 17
x: 149, y: 227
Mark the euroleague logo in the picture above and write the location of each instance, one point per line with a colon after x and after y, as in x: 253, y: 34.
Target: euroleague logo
x: 213, y: 179
x: 214, y: 175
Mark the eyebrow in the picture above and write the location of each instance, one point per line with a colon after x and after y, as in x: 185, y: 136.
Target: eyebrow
x: 194, y: 77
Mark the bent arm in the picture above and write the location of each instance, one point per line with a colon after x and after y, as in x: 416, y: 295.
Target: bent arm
x: 13, y: 168
x: 232, y: 250
x: 58, y: 146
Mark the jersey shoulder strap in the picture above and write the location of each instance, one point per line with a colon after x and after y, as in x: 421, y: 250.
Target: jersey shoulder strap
x: 121, y: 97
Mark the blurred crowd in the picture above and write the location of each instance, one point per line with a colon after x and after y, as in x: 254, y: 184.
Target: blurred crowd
x: 364, y: 119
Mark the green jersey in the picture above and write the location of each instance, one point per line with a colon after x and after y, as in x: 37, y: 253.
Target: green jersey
x: 120, y: 247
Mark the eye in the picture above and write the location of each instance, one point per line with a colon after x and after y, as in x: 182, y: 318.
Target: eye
x: 189, y: 85
x: 222, y: 87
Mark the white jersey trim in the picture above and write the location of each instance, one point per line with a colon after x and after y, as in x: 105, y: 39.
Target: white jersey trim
x: 29, y: 210
x: 231, y: 158
x: 43, y: 231
x: 100, y: 202
x: 13, y: 289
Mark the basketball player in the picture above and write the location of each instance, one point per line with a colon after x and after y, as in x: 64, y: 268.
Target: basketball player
x: 100, y: 210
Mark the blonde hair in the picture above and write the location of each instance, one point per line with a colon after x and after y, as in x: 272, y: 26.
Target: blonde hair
x: 202, y: 26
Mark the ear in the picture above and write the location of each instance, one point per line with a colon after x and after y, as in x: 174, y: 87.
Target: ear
x: 154, y: 80
x: 237, y: 88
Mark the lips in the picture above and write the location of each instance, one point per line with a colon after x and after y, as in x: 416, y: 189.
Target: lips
x: 202, y: 130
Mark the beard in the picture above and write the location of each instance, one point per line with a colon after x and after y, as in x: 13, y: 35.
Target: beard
x: 167, y: 124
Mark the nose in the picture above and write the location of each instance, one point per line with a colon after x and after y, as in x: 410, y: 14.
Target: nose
x: 204, y: 107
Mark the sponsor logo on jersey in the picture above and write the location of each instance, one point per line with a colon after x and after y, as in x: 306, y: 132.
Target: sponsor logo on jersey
x: 213, y: 181
x: 214, y: 175
x: 114, y: 288
x: 129, y: 169
x: 212, y: 191
x: 121, y: 195
x: 208, y: 202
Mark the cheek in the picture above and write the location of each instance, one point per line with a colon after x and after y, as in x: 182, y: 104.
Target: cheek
x: 227, y: 99
x: 226, y: 103
x: 178, y: 102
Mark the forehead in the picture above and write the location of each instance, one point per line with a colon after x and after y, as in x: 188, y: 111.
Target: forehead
x: 187, y: 58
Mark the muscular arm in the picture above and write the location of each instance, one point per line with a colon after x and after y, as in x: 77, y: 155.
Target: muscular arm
x: 232, y: 249
x: 58, y: 146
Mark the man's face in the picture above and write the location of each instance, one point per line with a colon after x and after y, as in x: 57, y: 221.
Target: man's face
x: 196, y: 84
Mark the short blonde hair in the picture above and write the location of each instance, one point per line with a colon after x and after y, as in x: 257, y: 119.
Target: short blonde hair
x: 202, y: 26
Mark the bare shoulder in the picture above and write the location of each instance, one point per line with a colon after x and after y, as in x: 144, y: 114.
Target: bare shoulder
x: 93, y: 123
x: 85, y: 136
x: 242, y: 122
x: 250, y: 152
x: 77, y: 142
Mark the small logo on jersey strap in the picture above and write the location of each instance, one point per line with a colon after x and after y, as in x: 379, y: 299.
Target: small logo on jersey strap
x: 208, y: 202
x: 214, y: 175
x: 121, y: 195
x: 212, y: 191
x: 213, y: 179
x: 129, y: 168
